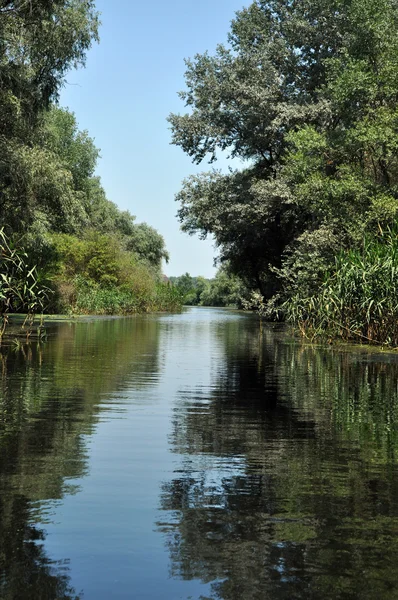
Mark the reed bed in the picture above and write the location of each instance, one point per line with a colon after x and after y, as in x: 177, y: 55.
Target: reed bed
x: 358, y: 300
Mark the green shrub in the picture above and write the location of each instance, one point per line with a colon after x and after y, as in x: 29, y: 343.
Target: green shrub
x: 168, y: 298
x: 96, y: 275
x: 225, y: 289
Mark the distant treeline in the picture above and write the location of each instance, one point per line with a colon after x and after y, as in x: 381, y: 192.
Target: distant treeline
x: 224, y: 289
x: 89, y: 256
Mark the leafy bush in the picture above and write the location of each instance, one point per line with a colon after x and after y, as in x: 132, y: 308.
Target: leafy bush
x: 167, y: 298
x: 225, y: 289
x: 96, y: 275
x: 190, y: 288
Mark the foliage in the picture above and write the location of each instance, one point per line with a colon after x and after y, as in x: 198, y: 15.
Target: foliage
x: 20, y: 287
x: 190, y: 288
x: 51, y: 202
x: 59, y: 133
x: 96, y: 239
x: 232, y: 208
x: 96, y: 257
x: 147, y: 243
x: 245, y: 100
x: 89, y: 298
x: 305, y: 93
x: 39, y: 43
x: 167, y: 298
x: 357, y: 300
x: 225, y: 289
x: 95, y: 274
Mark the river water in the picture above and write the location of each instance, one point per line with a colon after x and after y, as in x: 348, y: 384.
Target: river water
x: 196, y: 456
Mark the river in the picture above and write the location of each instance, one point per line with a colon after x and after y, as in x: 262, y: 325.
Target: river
x: 196, y: 456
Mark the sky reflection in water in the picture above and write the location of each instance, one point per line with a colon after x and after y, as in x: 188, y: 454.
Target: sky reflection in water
x: 196, y: 456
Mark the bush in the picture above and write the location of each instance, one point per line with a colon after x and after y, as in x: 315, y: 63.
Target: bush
x: 167, y: 298
x: 96, y: 275
x: 225, y: 289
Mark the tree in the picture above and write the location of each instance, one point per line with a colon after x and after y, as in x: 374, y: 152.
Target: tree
x: 306, y: 94
x: 251, y: 234
x: 225, y: 289
x: 148, y: 244
x: 39, y: 43
x: 190, y: 288
x: 77, y: 151
x: 51, y: 202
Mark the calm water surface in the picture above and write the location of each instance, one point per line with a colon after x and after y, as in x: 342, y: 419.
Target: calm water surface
x: 196, y: 456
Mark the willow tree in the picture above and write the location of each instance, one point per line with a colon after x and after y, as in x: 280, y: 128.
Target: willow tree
x: 305, y: 94
x: 39, y: 43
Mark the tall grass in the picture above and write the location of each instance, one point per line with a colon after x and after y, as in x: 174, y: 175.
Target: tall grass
x: 358, y: 300
x: 20, y: 286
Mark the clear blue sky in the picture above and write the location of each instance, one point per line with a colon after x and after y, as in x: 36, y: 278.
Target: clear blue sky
x: 123, y: 97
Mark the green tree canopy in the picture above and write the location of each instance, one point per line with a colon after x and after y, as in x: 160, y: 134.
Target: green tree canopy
x: 145, y: 241
x: 305, y: 93
x: 39, y: 42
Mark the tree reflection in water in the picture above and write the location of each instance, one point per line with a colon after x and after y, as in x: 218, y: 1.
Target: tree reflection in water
x: 26, y: 572
x: 287, y: 485
x: 50, y: 400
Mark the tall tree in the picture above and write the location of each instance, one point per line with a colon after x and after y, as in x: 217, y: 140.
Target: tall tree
x: 305, y: 93
x: 39, y: 42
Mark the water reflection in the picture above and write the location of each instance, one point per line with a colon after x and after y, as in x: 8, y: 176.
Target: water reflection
x: 287, y: 484
x: 269, y: 467
x: 50, y: 400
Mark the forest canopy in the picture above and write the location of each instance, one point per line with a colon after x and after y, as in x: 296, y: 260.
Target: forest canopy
x: 93, y: 256
x: 305, y: 93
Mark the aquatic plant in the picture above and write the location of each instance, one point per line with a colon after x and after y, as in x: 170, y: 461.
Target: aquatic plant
x: 20, y: 287
x: 357, y: 300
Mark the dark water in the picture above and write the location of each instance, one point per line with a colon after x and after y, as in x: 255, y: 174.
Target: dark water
x: 195, y: 456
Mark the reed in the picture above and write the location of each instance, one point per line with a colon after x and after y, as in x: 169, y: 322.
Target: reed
x: 20, y: 287
x: 358, y: 299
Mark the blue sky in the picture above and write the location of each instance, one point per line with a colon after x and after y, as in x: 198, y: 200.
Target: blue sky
x: 123, y: 97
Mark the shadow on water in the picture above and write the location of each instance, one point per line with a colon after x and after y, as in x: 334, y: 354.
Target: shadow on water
x: 279, y: 481
x: 287, y: 482
x: 51, y: 398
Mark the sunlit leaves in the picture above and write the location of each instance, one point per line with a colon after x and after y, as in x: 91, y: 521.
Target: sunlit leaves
x: 306, y: 93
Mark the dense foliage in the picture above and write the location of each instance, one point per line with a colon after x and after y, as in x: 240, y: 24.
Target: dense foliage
x: 226, y: 289
x: 305, y: 93
x: 52, y: 205
x: 357, y: 298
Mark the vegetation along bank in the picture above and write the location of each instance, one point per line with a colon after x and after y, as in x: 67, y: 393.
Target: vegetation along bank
x: 65, y: 247
x: 305, y: 95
